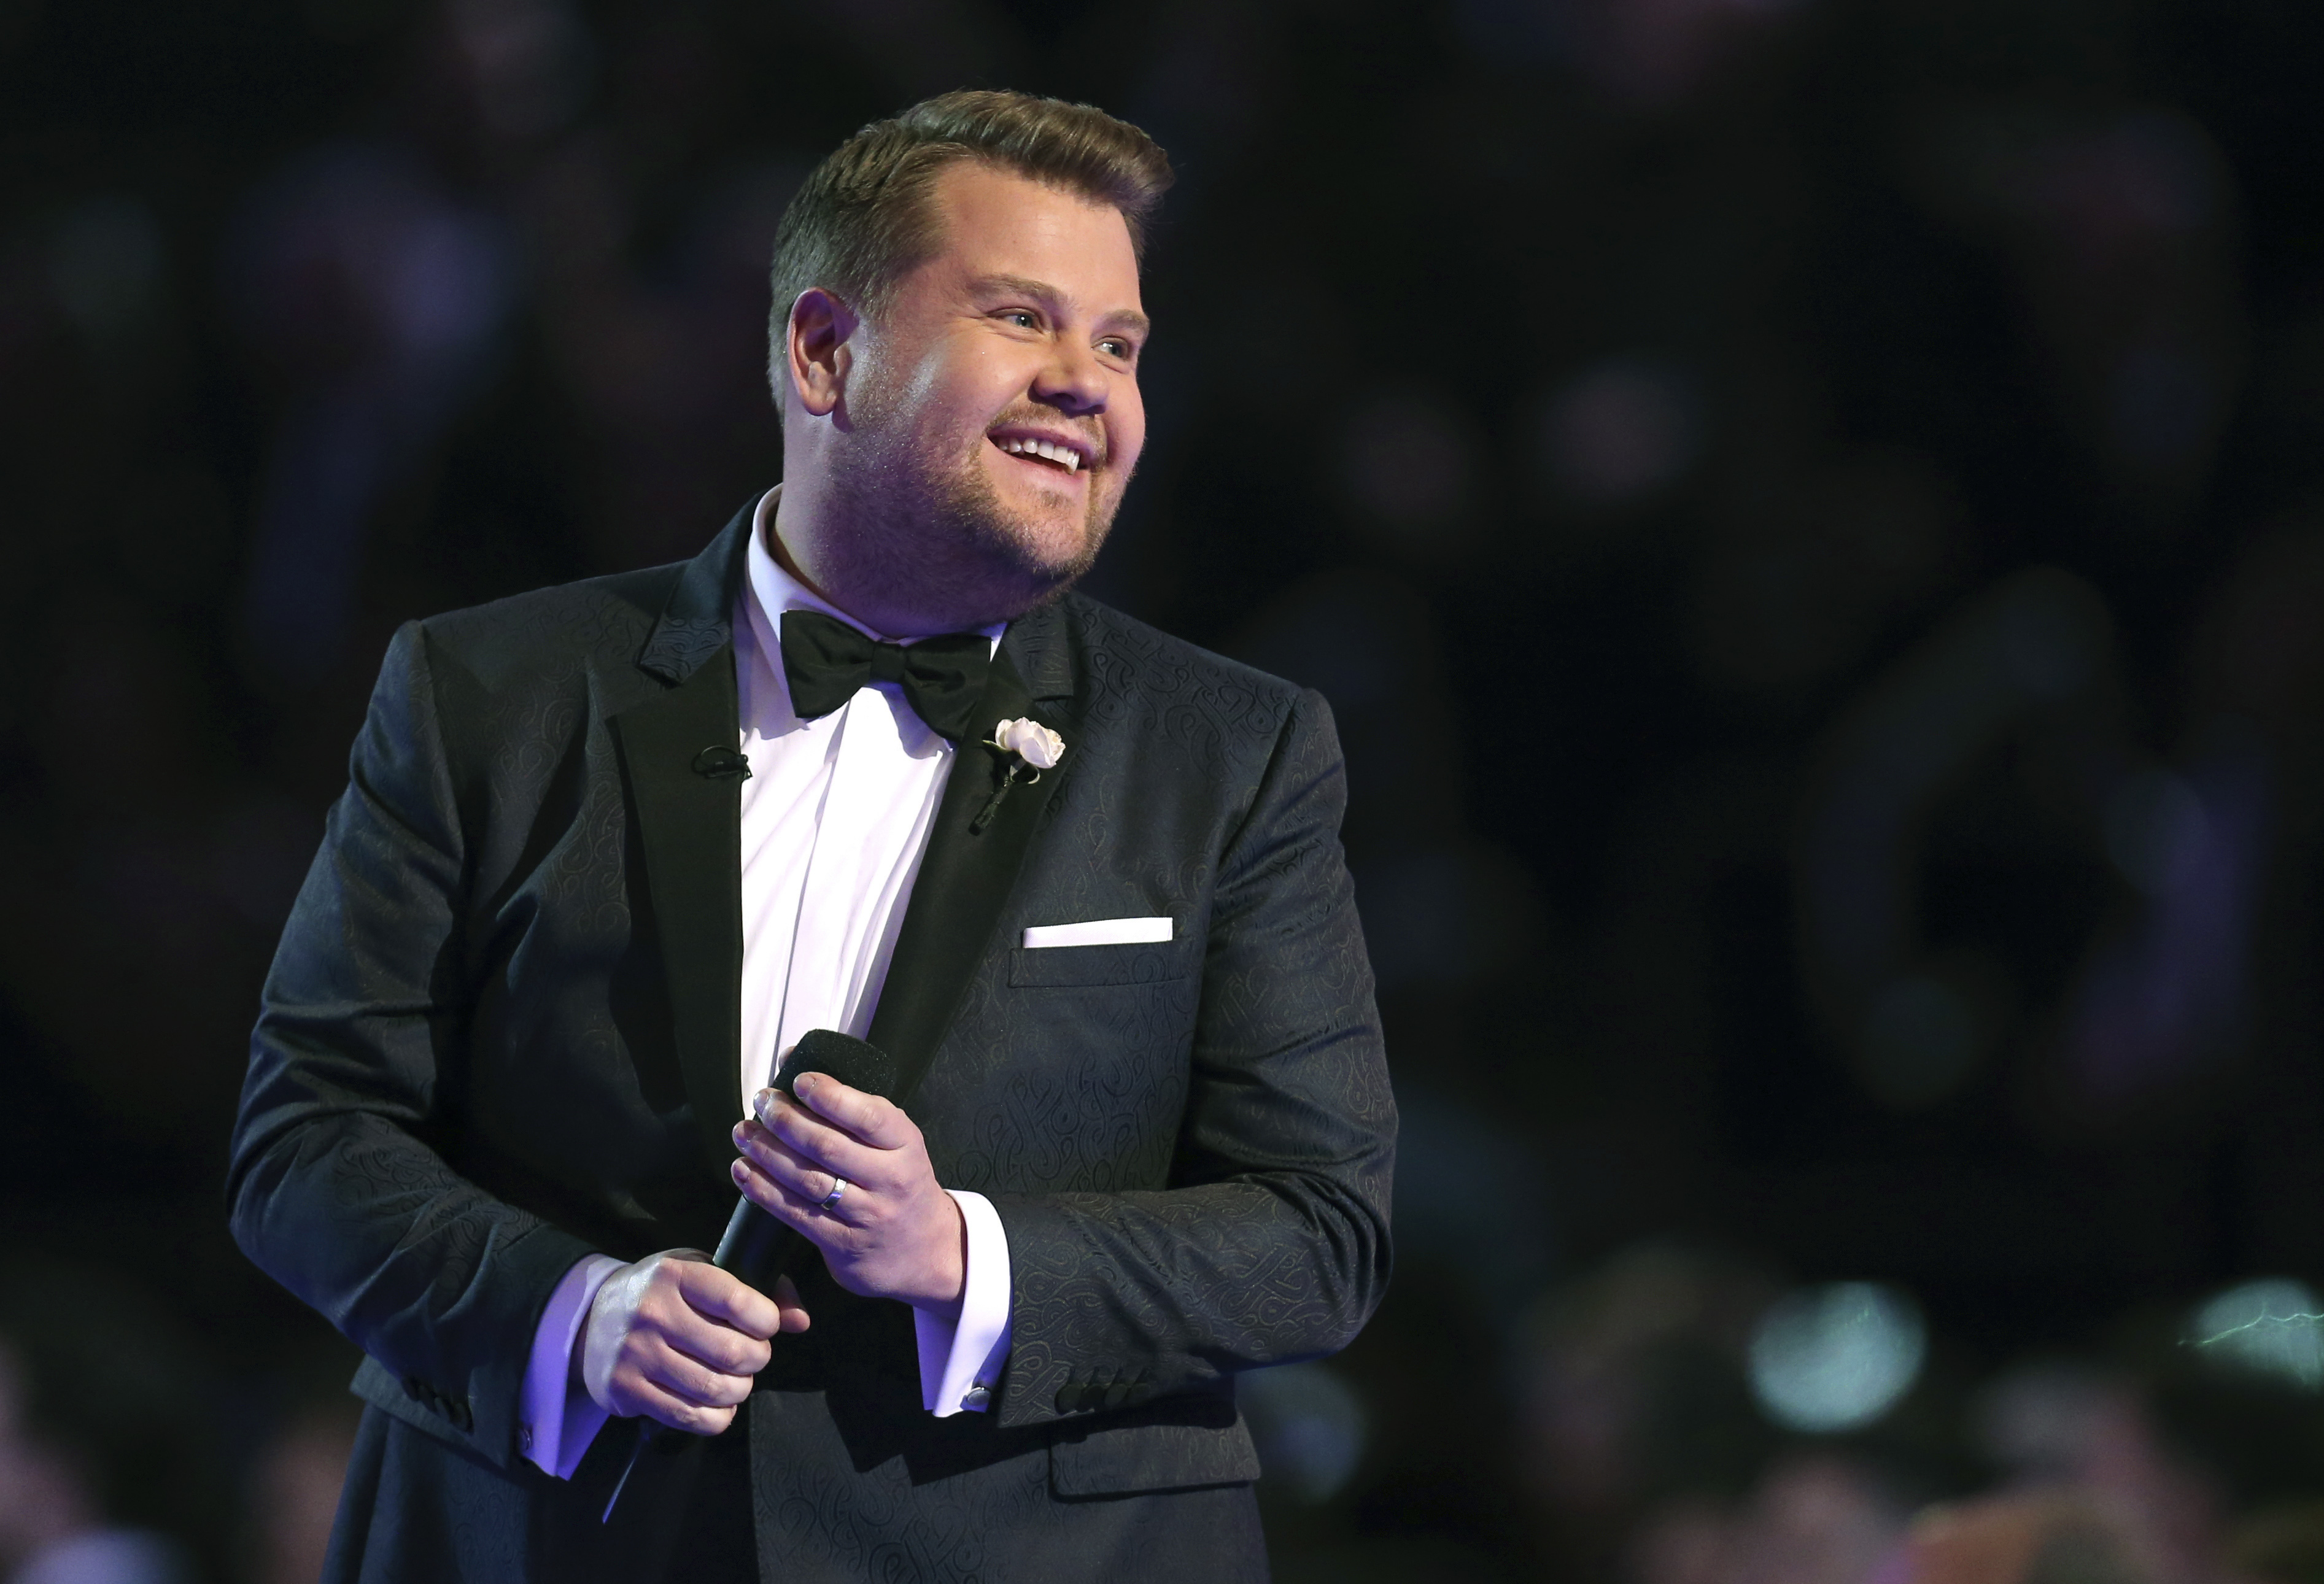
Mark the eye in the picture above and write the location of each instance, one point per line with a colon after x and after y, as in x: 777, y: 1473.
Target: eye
x: 1115, y: 346
x: 1022, y: 318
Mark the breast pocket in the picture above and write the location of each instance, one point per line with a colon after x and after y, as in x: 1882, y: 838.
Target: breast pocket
x: 1093, y: 967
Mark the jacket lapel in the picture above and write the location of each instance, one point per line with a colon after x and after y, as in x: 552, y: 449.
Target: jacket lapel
x: 967, y: 876
x: 689, y: 819
x: 687, y: 800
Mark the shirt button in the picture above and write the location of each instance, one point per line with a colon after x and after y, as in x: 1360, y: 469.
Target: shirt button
x: 524, y: 1438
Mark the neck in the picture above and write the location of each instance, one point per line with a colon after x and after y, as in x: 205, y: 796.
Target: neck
x: 780, y: 549
x: 796, y: 536
x: 898, y: 577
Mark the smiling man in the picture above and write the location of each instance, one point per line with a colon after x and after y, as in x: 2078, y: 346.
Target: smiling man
x: 866, y: 764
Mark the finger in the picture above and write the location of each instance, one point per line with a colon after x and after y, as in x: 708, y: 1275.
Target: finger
x: 645, y: 1398
x: 779, y: 1116
x: 667, y: 1322
x: 879, y: 1122
x: 794, y: 1209
x: 720, y: 1296
x: 786, y: 1297
x: 773, y: 1150
x: 719, y: 1347
x: 811, y: 1180
x: 692, y: 1381
x: 820, y: 1144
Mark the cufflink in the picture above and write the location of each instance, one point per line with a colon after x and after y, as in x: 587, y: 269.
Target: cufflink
x: 524, y: 1438
x: 976, y: 1398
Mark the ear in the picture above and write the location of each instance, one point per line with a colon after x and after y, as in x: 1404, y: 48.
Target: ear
x: 816, y: 349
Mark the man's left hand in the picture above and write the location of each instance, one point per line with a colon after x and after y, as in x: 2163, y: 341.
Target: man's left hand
x: 893, y: 1233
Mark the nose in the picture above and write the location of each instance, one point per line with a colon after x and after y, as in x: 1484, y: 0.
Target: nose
x: 1073, y: 382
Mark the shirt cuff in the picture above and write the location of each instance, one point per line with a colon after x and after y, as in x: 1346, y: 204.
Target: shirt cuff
x: 557, y: 1419
x: 961, y: 1362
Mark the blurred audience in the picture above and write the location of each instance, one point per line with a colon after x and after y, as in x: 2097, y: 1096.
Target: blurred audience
x: 295, y: 1478
x: 103, y: 1473
x: 1806, y: 513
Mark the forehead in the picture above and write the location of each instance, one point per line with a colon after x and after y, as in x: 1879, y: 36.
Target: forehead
x: 997, y: 222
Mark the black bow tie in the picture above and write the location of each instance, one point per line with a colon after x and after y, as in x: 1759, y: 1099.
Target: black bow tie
x: 825, y: 660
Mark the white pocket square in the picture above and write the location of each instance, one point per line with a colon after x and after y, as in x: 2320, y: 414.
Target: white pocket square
x: 1098, y: 932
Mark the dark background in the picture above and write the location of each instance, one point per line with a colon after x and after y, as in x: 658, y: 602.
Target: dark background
x: 1807, y: 511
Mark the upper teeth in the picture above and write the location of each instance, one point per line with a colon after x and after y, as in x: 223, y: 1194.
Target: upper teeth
x: 1071, y: 458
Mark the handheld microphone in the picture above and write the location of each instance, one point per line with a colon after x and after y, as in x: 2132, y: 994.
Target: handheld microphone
x: 756, y: 1247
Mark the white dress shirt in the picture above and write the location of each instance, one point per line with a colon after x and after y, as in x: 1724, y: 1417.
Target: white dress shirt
x: 836, y: 818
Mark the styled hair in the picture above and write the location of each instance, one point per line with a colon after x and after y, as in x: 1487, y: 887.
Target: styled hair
x: 865, y: 217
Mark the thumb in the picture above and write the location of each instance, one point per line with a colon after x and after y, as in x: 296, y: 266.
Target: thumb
x: 787, y: 1300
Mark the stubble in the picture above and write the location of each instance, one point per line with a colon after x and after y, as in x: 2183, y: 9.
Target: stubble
x: 925, y: 530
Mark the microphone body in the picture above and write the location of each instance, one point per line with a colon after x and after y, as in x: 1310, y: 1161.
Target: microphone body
x: 757, y: 1247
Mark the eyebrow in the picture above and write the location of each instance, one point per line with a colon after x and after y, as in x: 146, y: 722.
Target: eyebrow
x: 1129, y: 318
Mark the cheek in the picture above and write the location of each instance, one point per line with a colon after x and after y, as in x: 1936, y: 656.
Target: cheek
x: 933, y: 397
x: 1128, y: 439
x: 939, y: 396
x: 972, y: 383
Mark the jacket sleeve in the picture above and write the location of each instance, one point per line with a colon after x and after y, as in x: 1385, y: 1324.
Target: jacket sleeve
x: 338, y: 1187
x: 1271, y: 1244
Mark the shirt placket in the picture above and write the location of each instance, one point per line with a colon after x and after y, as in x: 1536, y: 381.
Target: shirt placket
x: 840, y: 876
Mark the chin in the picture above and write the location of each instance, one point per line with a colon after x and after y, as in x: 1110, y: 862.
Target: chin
x: 1010, y: 549
x: 1060, y: 548
x: 1054, y: 535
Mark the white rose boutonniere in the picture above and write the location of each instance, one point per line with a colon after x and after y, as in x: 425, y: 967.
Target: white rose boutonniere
x: 1031, y: 742
x: 1028, y: 745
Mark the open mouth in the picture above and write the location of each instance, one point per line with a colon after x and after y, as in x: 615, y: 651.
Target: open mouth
x: 1056, y: 456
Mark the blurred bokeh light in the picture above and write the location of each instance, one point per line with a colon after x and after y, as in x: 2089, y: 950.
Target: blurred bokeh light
x: 1309, y: 1426
x: 1836, y: 1357
x: 2275, y: 1327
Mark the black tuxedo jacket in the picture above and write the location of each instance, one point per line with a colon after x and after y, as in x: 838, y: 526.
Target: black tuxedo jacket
x: 500, y: 1031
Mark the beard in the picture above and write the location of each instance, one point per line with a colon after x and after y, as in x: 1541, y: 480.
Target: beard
x: 925, y: 530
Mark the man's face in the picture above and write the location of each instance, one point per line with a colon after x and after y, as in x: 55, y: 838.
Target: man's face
x: 1001, y: 387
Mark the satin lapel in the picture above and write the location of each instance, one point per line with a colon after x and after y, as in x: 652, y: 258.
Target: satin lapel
x: 691, y: 824
x: 965, y: 876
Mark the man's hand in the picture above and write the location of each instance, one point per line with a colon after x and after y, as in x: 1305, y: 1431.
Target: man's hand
x: 675, y: 1337
x: 893, y: 1233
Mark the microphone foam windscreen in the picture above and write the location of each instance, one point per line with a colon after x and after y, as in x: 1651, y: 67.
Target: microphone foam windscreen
x: 854, y: 1062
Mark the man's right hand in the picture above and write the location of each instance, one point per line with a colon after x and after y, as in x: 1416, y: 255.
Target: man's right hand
x: 678, y: 1339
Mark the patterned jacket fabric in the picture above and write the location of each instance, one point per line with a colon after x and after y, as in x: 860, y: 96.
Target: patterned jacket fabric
x: 492, y: 1039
